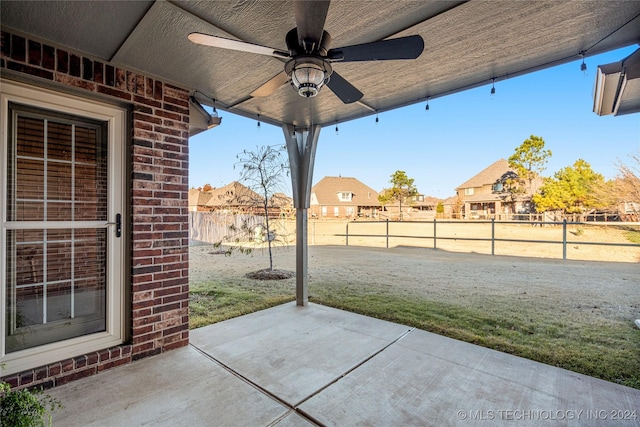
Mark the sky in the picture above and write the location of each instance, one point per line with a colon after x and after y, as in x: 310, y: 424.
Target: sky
x: 460, y: 134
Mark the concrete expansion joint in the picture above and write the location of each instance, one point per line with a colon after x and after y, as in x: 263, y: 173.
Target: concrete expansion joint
x: 296, y: 407
x: 353, y: 368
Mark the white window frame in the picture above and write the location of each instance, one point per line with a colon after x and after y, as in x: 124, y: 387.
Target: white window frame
x: 469, y: 191
x: 336, y: 211
x: 115, y: 117
x: 345, y: 196
x: 324, y: 211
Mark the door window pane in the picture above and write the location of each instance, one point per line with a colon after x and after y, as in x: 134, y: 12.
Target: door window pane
x: 57, y: 281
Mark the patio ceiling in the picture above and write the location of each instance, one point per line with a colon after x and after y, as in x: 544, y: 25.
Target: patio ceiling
x: 467, y: 44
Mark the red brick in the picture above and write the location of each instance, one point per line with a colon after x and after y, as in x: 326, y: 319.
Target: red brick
x: 80, y: 362
x: 114, y: 92
x: 140, y: 331
x: 26, y: 378
x: 138, y: 339
x: 55, y: 369
x: 35, y: 53
x: 147, y: 320
x: 142, y: 348
x: 182, y: 343
x: 72, y: 81
x: 103, y: 355
x: 167, y: 307
x: 151, y: 102
x: 67, y: 365
x: 92, y: 358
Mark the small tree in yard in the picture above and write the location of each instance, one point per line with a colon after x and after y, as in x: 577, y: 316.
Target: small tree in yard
x: 402, y: 188
x: 263, y: 172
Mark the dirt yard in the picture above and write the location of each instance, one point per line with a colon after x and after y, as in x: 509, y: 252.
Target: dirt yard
x: 578, y: 291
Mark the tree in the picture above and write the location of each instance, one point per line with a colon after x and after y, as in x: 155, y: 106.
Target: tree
x: 508, y: 186
x: 627, y: 185
x: 440, y: 209
x: 530, y: 159
x: 570, y: 190
x: 207, y: 187
x: 402, y: 188
x: 263, y: 172
x: 624, y: 189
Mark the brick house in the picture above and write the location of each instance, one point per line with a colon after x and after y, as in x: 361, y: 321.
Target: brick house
x: 418, y: 208
x: 238, y: 198
x: 234, y: 197
x: 94, y: 242
x: 343, y: 197
x: 483, y: 196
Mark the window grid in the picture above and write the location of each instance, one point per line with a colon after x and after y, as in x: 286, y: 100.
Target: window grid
x: 57, y: 203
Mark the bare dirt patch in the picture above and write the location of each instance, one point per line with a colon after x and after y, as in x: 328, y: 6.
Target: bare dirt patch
x: 267, y: 274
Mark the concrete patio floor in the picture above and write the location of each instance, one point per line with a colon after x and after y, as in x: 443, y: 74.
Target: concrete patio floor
x: 301, y: 366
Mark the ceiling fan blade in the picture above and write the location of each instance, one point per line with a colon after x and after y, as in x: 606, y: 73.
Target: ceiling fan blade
x: 310, y: 17
x: 225, y: 43
x: 343, y: 89
x: 409, y: 47
x: 271, y: 86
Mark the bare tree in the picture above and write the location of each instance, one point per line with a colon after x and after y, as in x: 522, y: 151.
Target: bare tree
x: 263, y: 172
x: 622, y: 194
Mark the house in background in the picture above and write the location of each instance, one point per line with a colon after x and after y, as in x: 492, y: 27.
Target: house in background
x: 343, y: 197
x: 236, y: 198
x: 281, y: 205
x: 452, y: 207
x: 418, y: 207
x: 485, y: 195
x: 198, y: 199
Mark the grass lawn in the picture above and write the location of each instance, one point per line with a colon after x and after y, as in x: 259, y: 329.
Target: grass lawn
x: 606, y: 351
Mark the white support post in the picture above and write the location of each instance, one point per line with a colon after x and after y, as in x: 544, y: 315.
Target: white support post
x: 301, y: 146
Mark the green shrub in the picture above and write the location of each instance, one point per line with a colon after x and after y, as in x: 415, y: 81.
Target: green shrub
x: 25, y: 408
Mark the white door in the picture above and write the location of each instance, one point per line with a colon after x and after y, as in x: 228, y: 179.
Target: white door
x: 62, y: 227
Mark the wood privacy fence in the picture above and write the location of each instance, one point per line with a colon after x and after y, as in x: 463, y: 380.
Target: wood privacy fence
x: 215, y: 227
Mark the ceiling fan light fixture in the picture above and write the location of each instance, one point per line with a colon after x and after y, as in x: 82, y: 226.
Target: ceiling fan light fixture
x: 308, y: 74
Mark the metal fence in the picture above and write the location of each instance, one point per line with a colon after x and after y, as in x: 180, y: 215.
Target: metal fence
x: 492, y: 239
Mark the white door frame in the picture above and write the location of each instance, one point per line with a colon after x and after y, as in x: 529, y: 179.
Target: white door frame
x: 115, y: 118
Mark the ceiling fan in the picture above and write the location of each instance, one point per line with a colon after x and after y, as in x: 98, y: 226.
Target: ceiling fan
x: 309, y: 57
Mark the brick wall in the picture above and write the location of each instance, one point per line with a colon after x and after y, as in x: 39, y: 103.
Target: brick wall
x: 158, y: 219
